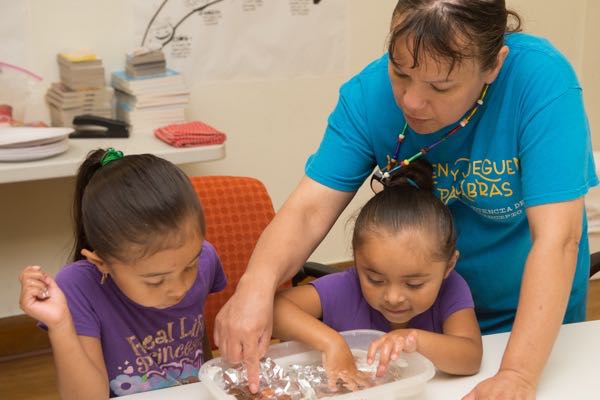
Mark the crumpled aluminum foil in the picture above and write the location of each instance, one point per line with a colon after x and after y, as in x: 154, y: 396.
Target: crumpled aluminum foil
x: 297, y: 381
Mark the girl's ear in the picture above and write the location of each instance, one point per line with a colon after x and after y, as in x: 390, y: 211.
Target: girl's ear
x: 452, y: 263
x: 95, y: 259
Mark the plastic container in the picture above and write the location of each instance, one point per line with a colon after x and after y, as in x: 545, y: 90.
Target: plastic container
x: 415, y: 374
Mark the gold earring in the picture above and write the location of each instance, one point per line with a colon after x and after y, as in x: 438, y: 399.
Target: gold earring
x: 104, y: 277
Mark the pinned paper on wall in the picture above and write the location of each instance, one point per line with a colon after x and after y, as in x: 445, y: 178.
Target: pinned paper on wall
x: 245, y: 39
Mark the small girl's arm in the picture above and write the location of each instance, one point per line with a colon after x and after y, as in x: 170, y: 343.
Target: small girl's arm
x: 457, y: 351
x: 78, y: 359
x: 295, y: 317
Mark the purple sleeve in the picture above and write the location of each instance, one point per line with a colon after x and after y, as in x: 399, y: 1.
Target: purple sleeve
x: 217, y: 277
x: 77, y: 283
x: 455, y: 295
x: 339, y: 294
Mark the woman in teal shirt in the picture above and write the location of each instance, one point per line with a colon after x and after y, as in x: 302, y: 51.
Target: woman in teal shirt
x: 500, y: 116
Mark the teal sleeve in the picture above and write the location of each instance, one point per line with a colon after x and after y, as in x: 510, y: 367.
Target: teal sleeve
x: 345, y: 157
x: 556, y: 152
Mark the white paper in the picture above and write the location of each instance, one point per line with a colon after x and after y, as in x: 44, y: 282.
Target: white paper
x: 246, y: 39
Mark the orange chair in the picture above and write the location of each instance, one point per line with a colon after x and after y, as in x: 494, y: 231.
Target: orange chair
x: 237, y: 210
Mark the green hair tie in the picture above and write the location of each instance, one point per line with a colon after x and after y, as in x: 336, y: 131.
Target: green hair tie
x: 110, y: 155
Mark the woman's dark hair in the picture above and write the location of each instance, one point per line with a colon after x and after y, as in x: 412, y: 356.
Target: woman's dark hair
x: 452, y: 30
x: 131, y: 207
x: 408, y: 203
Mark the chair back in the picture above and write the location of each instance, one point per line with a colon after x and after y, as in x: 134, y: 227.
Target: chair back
x: 237, y: 210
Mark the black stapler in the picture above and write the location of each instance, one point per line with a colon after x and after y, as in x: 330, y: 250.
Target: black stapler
x: 88, y: 126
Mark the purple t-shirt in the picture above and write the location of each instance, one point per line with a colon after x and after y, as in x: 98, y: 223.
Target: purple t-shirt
x: 144, y: 348
x: 345, y: 308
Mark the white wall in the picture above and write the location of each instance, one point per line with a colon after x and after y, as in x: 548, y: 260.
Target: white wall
x: 272, y: 125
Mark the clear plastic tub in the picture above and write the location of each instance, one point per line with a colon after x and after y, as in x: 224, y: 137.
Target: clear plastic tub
x: 417, y: 371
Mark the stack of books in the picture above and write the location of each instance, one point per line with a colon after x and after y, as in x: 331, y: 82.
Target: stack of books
x: 145, y: 63
x: 147, y: 103
x: 82, y: 89
x: 65, y: 104
x: 81, y: 73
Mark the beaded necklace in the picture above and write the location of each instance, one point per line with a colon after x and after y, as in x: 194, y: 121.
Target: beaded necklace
x: 392, y: 162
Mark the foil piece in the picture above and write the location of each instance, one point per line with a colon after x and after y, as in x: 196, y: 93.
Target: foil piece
x: 297, y: 381
x: 274, y: 383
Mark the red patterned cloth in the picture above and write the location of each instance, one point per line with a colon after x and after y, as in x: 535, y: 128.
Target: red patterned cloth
x: 188, y: 134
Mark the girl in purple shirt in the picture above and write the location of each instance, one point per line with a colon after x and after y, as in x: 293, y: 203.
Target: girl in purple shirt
x: 127, y: 315
x: 403, y: 283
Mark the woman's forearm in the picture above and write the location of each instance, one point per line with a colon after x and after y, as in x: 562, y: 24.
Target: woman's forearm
x: 545, y: 289
x: 78, y: 377
x: 295, y: 232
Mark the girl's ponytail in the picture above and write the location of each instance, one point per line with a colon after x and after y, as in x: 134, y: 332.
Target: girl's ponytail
x: 419, y: 174
x: 85, y: 173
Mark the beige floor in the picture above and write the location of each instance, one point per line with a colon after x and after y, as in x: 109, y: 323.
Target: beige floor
x: 33, y: 378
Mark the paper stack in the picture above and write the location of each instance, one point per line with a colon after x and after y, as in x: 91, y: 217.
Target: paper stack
x: 145, y: 63
x: 149, y: 102
x: 82, y: 89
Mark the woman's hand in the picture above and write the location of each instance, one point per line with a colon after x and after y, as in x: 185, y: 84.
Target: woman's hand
x: 390, y: 346
x: 339, y: 364
x: 41, y: 298
x: 243, y: 328
x: 505, y: 385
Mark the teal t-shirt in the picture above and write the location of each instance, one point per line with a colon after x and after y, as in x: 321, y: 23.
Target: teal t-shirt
x: 529, y: 144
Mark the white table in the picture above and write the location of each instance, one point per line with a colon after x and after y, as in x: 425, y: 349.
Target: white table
x: 571, y: 373
x: 66, y: 164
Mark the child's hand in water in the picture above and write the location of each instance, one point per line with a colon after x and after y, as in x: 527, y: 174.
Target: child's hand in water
x: 340, y: 365
x: 41, y: 298
x: 390, y: 346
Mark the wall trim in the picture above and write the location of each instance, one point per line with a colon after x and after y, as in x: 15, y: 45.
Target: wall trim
x: 20, y: 337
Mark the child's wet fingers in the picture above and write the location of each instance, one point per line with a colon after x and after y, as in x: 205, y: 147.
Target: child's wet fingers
x: 398, y: 348
x: 384, y: 359
x: 385, y: 353
x: 364, y: 380
x: 410, y: 343
x: 349, y: 381
x: 356, y: 381
x: 351, y: 386
x: 332, y: 381
x: 373, y: 347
